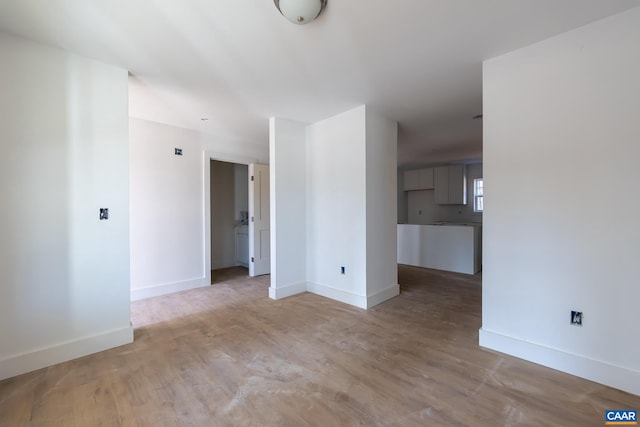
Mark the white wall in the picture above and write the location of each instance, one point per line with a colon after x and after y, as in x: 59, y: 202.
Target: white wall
x: 241, y: 189
x: 336, y: 206
x: 561, y: 149
x: 334, y: 187
x: 167, y: 210
x: 381, y: 208
x: 64, y: 274
x: 423, y: 209
x: 170, y: 204
x: 233, y: 151
x: 288, y: 207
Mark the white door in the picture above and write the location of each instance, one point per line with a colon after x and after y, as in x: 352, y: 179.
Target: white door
x: 259, y: 243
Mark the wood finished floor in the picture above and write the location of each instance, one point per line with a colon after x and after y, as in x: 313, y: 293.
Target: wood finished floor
x: 229, y: 274
x: 228, y: 355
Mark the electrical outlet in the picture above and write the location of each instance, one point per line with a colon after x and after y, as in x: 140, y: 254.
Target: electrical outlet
x: 576, y: 318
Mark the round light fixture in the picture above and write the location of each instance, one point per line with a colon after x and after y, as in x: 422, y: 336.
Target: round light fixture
x: 300, y: 11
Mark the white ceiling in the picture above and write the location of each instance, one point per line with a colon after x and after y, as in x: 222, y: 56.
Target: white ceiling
x: 238, y: 62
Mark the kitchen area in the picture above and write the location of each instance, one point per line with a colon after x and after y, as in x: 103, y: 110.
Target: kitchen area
x: 440, y: 217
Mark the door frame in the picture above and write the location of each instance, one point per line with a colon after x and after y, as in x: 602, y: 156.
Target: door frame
x: 208, y: 156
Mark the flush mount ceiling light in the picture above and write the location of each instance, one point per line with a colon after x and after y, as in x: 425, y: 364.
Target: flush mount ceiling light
x: 300, y: 11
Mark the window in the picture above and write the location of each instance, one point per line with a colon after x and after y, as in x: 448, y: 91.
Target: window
x: 477, y: 195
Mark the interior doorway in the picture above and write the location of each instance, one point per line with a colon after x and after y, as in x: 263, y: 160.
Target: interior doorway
x: 229, y: 207
x: 257, y: 216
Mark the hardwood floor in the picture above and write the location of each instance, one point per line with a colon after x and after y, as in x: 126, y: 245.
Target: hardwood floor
x: 228, y: 355
x: 222, y: 275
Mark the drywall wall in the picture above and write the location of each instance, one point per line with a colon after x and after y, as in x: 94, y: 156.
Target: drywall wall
x: 170, y: 204
x: 64, y: 274
x: 561, y: 134
x: 333, y: 184
x: 241, y: 190
x: 351, y: 207
x: 336, y: 207
x: 288, y: 207
x: 240, y: 152
x: 223, y: 187
x: 167, y: 210
x: 381, y: 213
x: 422, y: 207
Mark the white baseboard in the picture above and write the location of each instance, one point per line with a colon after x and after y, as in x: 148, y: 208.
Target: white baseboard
x: 383, y: 295
x: 337, y: 294
x: 169, y: 288
x: 42, y: 358
x: 287, y: 290
x: 601, y: 372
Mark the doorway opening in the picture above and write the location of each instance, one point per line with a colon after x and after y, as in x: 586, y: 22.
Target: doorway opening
x: 229, y: 207
x: 236, y: 178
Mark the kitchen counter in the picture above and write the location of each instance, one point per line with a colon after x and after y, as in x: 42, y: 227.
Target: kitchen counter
x: 443, y: 246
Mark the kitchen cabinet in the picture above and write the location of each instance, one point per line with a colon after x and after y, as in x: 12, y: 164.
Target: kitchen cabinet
x: 450, y: 185
x: 418, y: 179
x: 451, y: 247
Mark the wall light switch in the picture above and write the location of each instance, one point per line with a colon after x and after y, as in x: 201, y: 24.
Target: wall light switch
x: 104, y: 214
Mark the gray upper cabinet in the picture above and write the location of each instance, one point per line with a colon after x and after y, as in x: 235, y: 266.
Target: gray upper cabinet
x: 418, y: 179
x: 450, y: 185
